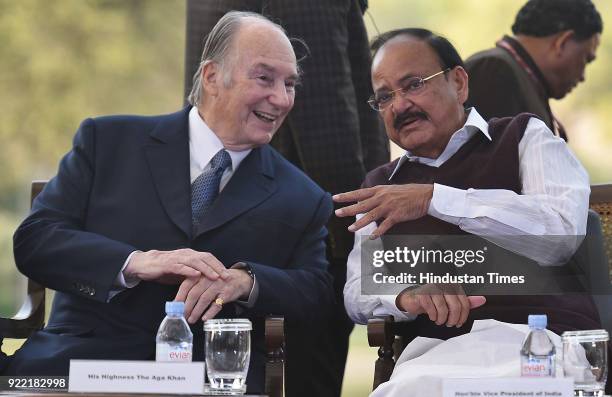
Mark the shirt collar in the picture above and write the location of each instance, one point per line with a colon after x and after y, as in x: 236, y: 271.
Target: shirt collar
x: 473, y: 123
x: 204, y: 143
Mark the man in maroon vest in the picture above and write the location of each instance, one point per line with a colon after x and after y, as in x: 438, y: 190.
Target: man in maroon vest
x: 502, y: 180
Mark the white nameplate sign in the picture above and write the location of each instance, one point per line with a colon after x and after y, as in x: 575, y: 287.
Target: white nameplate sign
x: 508, y: 387
x: 106, y: 376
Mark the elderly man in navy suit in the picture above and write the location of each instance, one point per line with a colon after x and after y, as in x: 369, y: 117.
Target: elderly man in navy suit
x: 193, y: 206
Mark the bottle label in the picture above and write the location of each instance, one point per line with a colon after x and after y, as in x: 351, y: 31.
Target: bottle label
x: 538, y: 367
x: 166, y: 352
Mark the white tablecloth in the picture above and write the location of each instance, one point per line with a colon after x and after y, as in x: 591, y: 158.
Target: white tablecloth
x: 491, y: 349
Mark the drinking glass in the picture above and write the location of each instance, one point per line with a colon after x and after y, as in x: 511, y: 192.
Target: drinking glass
x: 585, y: 358
x: 227, y: 352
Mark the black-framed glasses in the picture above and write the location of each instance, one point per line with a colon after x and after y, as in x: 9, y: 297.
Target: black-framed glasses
x: 383, y: 100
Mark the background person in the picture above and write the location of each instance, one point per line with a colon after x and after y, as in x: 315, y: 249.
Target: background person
x: 553, y: 42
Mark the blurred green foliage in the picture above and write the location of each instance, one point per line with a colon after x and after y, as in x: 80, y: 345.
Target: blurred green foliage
x: 62, y: 61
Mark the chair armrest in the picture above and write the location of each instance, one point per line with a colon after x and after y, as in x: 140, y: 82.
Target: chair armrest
x: 601, y: 202
x: 275, y: 356
x: 30, y: 316
x: 381, y: 335
x: 601, y: 193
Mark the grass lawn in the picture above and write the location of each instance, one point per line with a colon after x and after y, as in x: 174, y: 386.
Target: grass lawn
x: 10, y: 345
x: 359, y: 372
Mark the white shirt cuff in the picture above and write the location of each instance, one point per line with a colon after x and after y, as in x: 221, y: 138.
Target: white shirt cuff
x: 126, y: 282
x: 388, y: 307
x: 447, y: 202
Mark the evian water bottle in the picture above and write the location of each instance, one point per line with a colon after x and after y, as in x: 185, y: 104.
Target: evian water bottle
x: 538, y: 352
x: 174, y: 338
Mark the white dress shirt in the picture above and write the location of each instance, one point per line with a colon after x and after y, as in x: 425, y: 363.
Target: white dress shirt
x: 553, y: 202
x: 203, y: 145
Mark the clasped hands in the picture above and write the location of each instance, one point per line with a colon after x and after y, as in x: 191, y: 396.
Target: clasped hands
x: 203, y: 279
x: 444, y: 304
x: 392, y: 204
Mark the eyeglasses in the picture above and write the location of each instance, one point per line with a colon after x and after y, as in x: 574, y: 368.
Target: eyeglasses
x: 380, y: 102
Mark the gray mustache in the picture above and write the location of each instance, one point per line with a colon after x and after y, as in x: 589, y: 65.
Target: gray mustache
x: 401, y: 119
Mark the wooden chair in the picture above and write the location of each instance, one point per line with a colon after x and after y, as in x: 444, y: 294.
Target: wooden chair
x: 31, y: 317
x: 601, y: 202
x: 386, y: 334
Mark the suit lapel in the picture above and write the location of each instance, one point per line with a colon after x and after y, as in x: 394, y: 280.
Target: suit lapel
x: 251, y: 184
x: 168, y: 158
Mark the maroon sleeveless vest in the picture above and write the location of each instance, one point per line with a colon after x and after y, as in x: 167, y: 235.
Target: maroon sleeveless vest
x: 484, y: 164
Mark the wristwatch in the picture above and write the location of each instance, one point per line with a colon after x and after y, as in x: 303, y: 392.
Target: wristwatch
x: 246, y: 267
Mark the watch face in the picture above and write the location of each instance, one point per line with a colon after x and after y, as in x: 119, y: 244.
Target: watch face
x: 250, y: 271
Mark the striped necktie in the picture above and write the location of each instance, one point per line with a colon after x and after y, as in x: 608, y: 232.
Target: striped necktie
x: 205, y: 187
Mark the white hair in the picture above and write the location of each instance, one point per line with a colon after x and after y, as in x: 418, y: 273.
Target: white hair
x: 217, y: 48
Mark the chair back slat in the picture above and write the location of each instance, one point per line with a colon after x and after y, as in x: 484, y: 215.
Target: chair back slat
x: 37, y: 187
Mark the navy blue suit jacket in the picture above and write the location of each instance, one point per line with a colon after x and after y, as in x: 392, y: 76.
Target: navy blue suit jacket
x: 125, y: 186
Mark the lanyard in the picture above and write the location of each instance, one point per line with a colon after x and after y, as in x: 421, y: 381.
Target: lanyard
x: 557, y: 126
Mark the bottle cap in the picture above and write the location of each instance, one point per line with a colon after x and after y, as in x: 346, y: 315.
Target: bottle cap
x: 537, y: 321
x: 175, y: 307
